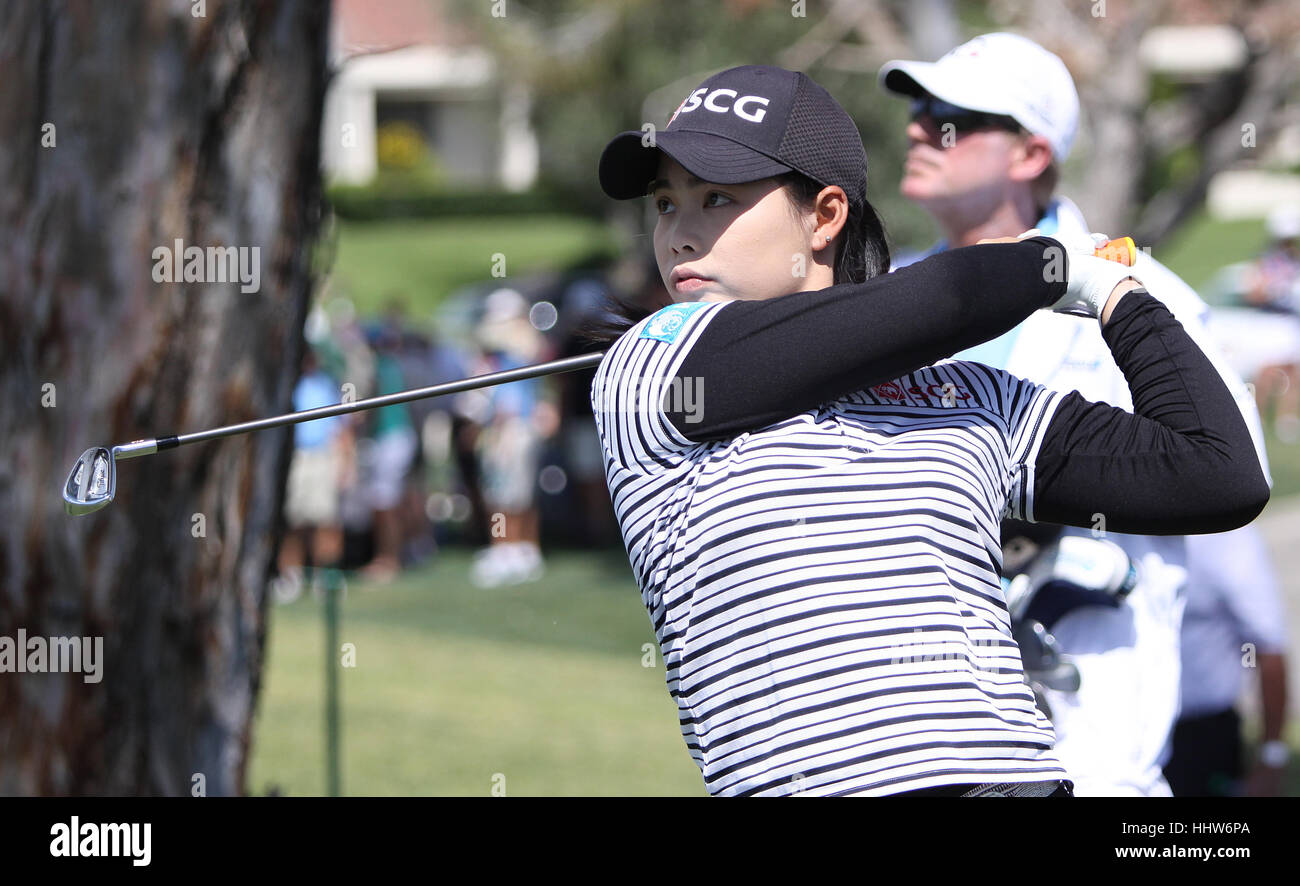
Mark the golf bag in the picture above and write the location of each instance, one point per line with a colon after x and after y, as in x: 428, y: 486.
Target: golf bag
x: 1047, y: 575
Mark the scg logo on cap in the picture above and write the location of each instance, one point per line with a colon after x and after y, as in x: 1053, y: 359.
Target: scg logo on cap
x: 740, y: 107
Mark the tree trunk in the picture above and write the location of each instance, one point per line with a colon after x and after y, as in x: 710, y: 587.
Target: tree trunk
x: 1114, y: 101
x: 180, y: 120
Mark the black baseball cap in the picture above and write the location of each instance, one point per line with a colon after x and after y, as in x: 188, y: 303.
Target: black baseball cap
x: 742, y: 125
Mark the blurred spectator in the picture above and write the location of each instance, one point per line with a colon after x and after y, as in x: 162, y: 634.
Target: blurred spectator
x: 514, y: 420
x: 388, y: 458
x: 596, y: 314
x: 348, y: 355
x: 469, y: 463
x: 322, y: 457
x: 414, y: 357
x: 1273, y: 284
x: 1234, y: 620
x: 582, y: 455
x: 1274, y: 281
x: 425, y: 362
x: 463, y: 441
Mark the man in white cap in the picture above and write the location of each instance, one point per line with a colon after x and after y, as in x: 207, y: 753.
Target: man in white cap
x: 991, y: 123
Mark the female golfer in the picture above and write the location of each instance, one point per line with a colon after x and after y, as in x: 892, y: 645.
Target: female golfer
x: 810, y: 494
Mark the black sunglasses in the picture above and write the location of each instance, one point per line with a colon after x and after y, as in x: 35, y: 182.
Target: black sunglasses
x: 962, y: 119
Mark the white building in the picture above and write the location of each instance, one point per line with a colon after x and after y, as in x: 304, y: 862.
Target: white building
x: 406, y: 60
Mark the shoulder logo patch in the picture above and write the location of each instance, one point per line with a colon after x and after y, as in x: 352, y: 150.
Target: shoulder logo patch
x: 667, y: 323
x: 888, y: 391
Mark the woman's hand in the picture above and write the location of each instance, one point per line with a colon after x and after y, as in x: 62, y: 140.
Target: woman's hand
x: 1095, y: 286
x: 1032, y: 232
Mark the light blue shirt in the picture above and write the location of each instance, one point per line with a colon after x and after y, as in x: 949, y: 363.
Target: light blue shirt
x: 313, y: 391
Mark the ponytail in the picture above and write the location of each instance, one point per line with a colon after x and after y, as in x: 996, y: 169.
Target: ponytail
x: 617, y: 315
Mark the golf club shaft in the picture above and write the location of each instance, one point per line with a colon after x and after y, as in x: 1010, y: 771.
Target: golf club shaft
x: 568, y: 364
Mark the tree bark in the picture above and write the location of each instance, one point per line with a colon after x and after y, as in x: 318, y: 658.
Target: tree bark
x: 1114, y: 105
x: 167, y: 125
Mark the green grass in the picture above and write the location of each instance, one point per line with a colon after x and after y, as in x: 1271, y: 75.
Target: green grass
x: 540, y: 683
x: 421, y: 261
x: 454, y: 686
x: 1202, y: 246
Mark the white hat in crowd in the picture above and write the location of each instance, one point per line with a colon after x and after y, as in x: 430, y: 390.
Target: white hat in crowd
x: 505, y: 325
x: 1284, y: 222
x: 998, y: 74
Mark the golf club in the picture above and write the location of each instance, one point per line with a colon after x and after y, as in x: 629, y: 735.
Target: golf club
x: 92, y: 482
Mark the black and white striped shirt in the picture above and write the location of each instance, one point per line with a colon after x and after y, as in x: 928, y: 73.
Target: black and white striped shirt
x: 823, y: 575
x: 826, y: 590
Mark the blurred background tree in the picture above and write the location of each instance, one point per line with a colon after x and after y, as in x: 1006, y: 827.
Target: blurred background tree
x: 598, y: 68
x: 1165, y: 112
x: 1143, y: 164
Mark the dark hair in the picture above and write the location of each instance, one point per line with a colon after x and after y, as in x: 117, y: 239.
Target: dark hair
x: 863, y: 253
x: 863, y: 250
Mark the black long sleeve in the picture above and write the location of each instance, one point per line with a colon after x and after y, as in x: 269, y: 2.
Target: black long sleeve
x: 767, y: 360
x: 1182, y: 463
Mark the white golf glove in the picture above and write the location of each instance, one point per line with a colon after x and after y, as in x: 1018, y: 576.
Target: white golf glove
x: 1090, y: 280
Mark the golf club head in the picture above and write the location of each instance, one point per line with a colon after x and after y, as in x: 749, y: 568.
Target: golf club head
x: 1063, y: 678
x: 91, y: 483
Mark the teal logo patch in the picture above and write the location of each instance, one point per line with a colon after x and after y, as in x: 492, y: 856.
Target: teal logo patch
x: 666, y: 324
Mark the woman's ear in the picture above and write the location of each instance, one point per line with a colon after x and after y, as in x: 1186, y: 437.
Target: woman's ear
x: 831, y: 214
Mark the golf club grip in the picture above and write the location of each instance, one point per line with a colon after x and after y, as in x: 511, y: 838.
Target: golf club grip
x: 1119, y: 249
